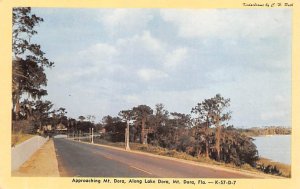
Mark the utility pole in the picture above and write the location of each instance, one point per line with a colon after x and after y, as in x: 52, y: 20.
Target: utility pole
x: 127, y: 147
x: 126, y: 115
x: 92, y: 135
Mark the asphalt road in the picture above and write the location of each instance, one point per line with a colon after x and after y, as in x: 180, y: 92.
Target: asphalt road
x: 85, y: 160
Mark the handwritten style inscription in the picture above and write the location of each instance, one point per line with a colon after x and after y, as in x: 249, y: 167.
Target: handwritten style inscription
x: 268, y: 4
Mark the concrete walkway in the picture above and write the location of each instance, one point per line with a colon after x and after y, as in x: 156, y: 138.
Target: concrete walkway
x: 42, y: 163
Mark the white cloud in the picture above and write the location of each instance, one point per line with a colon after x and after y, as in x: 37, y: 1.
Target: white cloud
x: 90, y: 62
x: 119, y: 21
x: 228, y: 23
x: 141, y: 64
x: 176, y: 57
x: 144, y: 41
x: 132, y: 99
x: 99, y: 51
x: 151, y: 74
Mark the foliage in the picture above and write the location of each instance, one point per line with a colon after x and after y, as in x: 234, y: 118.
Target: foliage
x: 207, y: 135
x: 37, y: 113
x: 210, y: 113
x: 142, y: 113
x: 115, y: 128
x: 29, y: 60
x: 272, y: 167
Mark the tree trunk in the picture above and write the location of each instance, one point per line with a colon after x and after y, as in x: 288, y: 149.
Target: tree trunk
x: 206, y: 149
x: 143, y: 141
x: 136, y: 131
x: 218, y: 139
x: 17, y: 108
x: 207, y: 140
x: 199, y: 153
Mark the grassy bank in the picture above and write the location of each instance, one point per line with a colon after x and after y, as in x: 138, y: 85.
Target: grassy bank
x: 17, y: 138
x: 284, y: 169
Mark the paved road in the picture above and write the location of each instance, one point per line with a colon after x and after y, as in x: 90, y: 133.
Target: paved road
x: 80, y: 159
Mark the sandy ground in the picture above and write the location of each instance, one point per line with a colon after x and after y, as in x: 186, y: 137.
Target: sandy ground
x: 43, y: 163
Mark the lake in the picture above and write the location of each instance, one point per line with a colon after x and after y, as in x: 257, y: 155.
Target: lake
x: 275, y: 147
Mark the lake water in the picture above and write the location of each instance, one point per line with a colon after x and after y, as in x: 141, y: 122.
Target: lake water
x: 276, y: 147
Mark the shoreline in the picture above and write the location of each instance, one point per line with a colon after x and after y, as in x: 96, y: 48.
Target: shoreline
x: 269, y: 135
x: 273, y: 161
x: 285, y: 169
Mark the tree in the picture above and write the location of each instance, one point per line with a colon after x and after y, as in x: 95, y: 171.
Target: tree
x: 156, y: 121
x: 161, y: 115
x: 143, y: 112
x: 59, y: 117
x: 40, y: 112
x: 29, y: 60
x: 210, y: 112
x: 237, y: 148
x: 91, y: 118
x: 81, y: 118
x: 115, y: 128
x: 180, y: 123
x: 61, y: 114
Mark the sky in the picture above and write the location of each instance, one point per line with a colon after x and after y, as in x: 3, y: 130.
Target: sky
x: 108, y: 60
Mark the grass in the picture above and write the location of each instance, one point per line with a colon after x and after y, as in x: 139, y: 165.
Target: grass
x: 17, y: 138
x: 284, y: 169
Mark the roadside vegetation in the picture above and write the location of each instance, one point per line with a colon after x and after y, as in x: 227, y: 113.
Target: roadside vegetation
x: 285, y: 170
x: 276, y: 168
x: 29, y: 112
x: 17, y: 138
x: 202, y: 135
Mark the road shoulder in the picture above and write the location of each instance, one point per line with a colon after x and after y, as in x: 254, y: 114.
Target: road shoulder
x: 43, y: 163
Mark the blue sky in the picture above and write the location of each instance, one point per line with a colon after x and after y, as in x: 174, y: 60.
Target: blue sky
x: 107, y: 60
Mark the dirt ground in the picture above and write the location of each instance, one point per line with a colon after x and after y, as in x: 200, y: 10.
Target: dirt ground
x: 43, y: 163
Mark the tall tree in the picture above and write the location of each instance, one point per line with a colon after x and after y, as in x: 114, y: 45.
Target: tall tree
x: 209, y: 113
x: 143, y: 112
x: 29, y: 60
x: 219, y: 117
x: 156, y: 121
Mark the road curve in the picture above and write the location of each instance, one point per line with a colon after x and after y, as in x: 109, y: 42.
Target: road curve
x: 85, y: 160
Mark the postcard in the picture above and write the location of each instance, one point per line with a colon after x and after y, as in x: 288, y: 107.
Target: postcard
x: 166, y: 94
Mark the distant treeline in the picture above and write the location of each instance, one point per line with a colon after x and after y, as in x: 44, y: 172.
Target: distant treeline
x: 266, y: 130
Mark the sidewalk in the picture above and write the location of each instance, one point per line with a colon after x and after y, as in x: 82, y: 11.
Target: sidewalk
x: 42, y: 163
